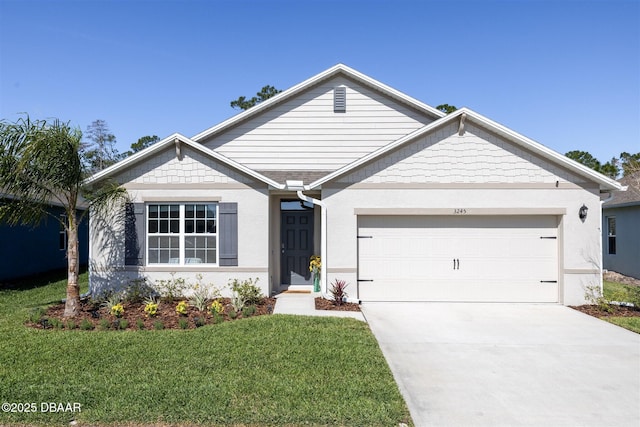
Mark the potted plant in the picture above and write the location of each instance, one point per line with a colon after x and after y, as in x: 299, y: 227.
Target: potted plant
x: 315, y: 266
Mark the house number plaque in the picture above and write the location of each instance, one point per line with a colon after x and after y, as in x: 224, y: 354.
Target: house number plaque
x: 460, y: 211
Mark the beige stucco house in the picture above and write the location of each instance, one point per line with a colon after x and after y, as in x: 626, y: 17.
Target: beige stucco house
x: 403, y: 202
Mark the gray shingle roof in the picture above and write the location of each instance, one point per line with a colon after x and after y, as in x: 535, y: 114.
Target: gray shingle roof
x: 629, y: 197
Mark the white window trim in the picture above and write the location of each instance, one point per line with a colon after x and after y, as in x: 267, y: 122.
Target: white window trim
x: 181, y: 235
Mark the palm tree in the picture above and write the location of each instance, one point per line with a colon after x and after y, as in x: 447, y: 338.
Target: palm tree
x: 42, y: 164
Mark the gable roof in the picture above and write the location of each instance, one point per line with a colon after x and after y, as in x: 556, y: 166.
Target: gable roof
x: 631, y: 197
x: 339, y: 69
x: 465, y: 114
x: 276, y: 180
x: 167, y: 142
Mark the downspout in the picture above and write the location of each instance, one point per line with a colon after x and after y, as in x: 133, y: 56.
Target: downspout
x: 323, y: 238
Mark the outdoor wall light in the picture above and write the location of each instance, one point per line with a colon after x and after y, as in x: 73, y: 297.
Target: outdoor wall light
x: 582, y: 213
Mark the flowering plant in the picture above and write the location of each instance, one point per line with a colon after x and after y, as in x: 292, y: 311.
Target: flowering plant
x: 181, y: 308
x: 315, y: 264
x: 216, y: 307
x: 117, y: 310
x: 151, y: 309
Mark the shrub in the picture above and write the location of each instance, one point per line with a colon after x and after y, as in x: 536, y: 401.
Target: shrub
x: 183, y: 323
x: 216, y: 307
x: 247, y: 289
x: 36, y: 314
x: 217, y: 318
x: 71, y: 324
x: 173, y: 288
x: 237, y: 302
x: 123, y: 324
x: 56, y: 323
x: 158, y: 325
x: 233, y: 314
x: 338, y: 291
x: 182, y: 308
x: 200, y: 299
x: 86, y: 325
x: 104, y: 324
x: 634, y: 297
x: 138, y: 290
x: 140, y: 324
x: 593, y: 295
x: 248, y: 311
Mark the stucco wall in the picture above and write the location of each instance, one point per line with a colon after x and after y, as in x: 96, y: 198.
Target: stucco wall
x: 485, y: 173
x: 193, y: 178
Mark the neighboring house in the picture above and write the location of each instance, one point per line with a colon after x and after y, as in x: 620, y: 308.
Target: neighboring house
x: 403, y: 202
x: 26, y: 250
x: 621, y: 229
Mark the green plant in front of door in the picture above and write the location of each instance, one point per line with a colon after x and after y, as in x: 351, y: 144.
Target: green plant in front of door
x: 315, y: 267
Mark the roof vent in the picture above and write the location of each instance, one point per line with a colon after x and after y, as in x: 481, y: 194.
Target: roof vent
x: 340, y: 99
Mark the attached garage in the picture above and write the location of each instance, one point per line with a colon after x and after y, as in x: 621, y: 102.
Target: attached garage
x: 483, y: 258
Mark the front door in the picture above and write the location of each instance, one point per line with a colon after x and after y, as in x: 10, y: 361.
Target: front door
x: 296, y: 246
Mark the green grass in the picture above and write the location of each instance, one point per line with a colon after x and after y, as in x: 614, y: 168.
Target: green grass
x: 614, y: 291
x: 631, y: 323
x: 267, y: 370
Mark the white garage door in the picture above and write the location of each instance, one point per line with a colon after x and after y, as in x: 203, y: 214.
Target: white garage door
x: 458, y: 258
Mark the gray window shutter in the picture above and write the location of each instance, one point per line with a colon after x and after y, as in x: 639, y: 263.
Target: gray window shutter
x: 134, y: 238
x: 340, y: 99
x: 228, y: 233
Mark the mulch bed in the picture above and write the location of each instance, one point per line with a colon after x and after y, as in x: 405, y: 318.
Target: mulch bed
x: 615, y: 311
x: 134, y: 311
x: 325, y: 304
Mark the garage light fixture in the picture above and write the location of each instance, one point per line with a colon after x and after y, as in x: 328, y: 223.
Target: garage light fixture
x: 582, y: 213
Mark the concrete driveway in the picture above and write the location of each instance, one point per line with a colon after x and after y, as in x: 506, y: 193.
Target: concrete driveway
x: 467, y: 364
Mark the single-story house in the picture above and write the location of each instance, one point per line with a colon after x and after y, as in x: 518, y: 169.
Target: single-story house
x: 26, y: 250
x: 621, y: 229
x: 401, y: 201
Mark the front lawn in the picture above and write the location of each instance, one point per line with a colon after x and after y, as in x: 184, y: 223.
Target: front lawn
x: 631, y: 323
x: 267, y: 370
x: 614, y: 291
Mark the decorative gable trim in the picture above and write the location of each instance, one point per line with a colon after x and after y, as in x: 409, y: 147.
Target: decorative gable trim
x: 179, y: 141
x: 465, y: 115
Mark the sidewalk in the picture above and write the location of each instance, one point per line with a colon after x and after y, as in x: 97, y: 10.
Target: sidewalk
x: 304, y: 304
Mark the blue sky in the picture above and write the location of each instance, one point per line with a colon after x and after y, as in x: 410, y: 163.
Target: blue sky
x: 564, y: 73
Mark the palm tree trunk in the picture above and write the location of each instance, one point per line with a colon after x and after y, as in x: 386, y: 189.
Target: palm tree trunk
x: 72, y: 305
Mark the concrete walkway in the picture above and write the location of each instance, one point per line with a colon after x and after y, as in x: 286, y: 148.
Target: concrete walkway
x: 304, y: 304
x: 460, y: 364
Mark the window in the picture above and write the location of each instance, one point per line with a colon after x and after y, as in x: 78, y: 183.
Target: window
x: 611, y: 233
x: 62, y: 233
x: 182, y: 233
